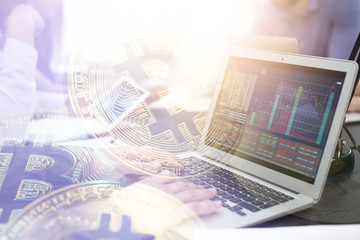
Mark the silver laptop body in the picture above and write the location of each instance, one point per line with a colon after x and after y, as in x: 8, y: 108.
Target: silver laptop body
x: 275, y: 119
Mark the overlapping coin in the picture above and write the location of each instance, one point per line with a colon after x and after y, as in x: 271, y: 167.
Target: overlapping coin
x: 116, y: 59
x: 104, y: 210
x: 38, y: 156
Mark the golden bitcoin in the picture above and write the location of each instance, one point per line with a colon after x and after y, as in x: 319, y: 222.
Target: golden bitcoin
x: 104, y: 210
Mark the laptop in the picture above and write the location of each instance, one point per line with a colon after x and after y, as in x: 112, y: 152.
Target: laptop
x: 270, y: 134
x: 268, y: 43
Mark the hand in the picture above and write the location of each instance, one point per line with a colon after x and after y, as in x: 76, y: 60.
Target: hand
x: 194, y: 196
x: 24, y: 23
x: 354, y: 104
x: 143, y: 160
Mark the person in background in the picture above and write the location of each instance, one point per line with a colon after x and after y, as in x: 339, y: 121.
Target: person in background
x: 27, y: 39
x: 326, y: 28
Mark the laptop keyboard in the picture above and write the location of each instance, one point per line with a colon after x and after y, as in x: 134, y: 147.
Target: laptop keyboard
x: 236, y: 192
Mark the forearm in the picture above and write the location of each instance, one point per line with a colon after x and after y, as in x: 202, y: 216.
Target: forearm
x: 354, y: 104
x: 17, y: 77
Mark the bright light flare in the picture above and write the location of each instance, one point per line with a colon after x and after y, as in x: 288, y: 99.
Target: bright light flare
x: 204, y: 26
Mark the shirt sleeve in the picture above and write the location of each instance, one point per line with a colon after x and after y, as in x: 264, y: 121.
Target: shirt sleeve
x: 17, y: 77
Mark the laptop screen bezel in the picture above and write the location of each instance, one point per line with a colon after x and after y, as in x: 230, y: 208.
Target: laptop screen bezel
x: 314, y: 189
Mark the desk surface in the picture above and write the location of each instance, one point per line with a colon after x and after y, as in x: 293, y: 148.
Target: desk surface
x: 345, y: 185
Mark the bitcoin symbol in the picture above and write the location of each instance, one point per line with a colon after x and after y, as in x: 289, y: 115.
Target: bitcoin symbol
x: 27, y: 172
x: 39, y: 161
x: 104, y: 210
x: 135, y: 65
x: 104, y: 232
x: 111, y: 53
x: 182, y: 128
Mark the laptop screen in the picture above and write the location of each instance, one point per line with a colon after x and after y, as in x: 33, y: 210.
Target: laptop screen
x: 275, y: 114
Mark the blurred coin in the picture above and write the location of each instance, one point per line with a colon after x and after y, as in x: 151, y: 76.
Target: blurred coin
x: 104, y: 210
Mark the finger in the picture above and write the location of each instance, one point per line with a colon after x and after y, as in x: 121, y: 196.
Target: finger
x: 168, y: 162
x: 196, y: 195
x: 174, y: 188
x: 172, y: 163
x: 126, y: 167
x: 160, y: 154
x: 180, y: 186
x: 203, y: 208
x: 154, y: 155
x: 155, y: 181
x: 148, y: 167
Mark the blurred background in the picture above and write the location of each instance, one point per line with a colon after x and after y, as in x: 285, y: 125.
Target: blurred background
x: 197, y: 31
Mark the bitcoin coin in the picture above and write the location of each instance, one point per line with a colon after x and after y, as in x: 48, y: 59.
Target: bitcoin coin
x: 35, y: 160
x: 138, y: 52
x: 104, y: 210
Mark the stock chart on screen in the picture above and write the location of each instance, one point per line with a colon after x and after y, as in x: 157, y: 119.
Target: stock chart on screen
x: 276, y: 114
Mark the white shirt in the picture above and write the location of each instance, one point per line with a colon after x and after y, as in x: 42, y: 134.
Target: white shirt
x: 18, y: 79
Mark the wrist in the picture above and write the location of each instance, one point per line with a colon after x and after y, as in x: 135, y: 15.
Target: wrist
x: 25, y: 36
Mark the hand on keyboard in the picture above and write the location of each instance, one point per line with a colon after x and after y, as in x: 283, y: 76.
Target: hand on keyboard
x: 143, y: 160
x: 194, y: 196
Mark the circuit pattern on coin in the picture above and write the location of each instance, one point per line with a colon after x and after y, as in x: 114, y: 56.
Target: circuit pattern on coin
x: 114, y: 53
x: 104, y: 210
x: 36, y: 159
